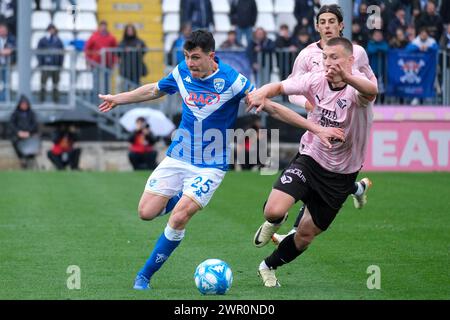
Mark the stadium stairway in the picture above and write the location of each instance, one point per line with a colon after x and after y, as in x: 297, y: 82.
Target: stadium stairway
x: 146, y: 15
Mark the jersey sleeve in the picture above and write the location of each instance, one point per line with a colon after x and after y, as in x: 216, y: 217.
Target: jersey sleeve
x: 297, y: 85
x: 168, y: 84
x: 242, y: 86
x: 300, y: 67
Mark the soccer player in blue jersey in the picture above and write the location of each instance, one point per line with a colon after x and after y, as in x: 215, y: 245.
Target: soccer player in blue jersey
x: 187, y: 178
x: 192, y: 171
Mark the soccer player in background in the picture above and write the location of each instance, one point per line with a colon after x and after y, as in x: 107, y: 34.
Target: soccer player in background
x: 320, y: 177
x: 329, y: 24
x: 186, y: 179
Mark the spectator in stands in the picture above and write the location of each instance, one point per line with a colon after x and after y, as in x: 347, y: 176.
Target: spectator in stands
x: 358, y: 35
x: 231, y: 42
x: 133, y: 49
x: 399, y: 21
x: 423, y: 42
x: 142, y: 154
x: 301, y: 40
x: 7, y: 58
x: 243, y: 14
x: 445, y: 43
x: 260, y: 53
x: 411, y: 34
x: 399, y: 41
x: 63, y: 152
x: 101, y: 39
x: 377, y: 49
x: 431, y: 20
x: 24, y: 129
x: 50, y: 64
x: 198, y: 13
x: 304, y: 14
x: 286, y: 51
x: 8, y: 14
x: 176, y: 54
x: 445, y: 12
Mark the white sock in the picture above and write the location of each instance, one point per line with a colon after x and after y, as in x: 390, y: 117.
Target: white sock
x: 173, y: 234
x: 360, y: 190
x: 263, y: 266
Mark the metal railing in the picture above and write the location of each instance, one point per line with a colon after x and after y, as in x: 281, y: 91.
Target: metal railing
x: 81, y: 82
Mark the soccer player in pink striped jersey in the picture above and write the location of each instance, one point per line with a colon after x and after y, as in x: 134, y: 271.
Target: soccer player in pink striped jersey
x: 329, y: 24
x: 321, y: 177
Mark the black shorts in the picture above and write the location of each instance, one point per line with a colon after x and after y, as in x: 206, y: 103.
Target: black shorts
x: 322, y: 191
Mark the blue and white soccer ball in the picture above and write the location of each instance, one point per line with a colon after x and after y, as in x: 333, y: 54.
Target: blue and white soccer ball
x: 213, y: 276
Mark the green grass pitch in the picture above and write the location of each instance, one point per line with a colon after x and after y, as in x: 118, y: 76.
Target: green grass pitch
x: 50, y: 221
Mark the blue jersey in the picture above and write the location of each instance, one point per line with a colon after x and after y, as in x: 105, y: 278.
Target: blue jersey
x: 210, y: 107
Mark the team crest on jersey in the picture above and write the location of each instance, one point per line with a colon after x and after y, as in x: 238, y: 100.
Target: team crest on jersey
x: 219, y: 84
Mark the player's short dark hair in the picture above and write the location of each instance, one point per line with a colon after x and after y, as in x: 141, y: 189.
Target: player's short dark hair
x: 331, y: 8
x: 202, y: 39
x: 341, y: 41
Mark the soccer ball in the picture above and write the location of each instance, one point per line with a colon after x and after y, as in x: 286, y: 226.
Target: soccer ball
x: 213, y: 276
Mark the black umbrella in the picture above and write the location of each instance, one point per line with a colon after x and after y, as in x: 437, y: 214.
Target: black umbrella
x: 71, y: 117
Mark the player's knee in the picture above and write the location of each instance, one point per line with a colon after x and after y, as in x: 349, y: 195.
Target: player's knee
x: 146, y: 212
x: 273, y: 212
x: 303, y: 238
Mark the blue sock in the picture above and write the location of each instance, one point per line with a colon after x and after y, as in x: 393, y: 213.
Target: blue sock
x: 171, y: 204
x: 167, y: 242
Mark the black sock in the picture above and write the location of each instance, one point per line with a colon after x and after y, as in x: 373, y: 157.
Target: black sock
x: 285, y: 253
x: 299, y: 216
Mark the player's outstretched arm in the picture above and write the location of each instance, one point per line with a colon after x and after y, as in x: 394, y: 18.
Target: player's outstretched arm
x: 289, y: 116
x: 256, y: 98
x: 141, y: 94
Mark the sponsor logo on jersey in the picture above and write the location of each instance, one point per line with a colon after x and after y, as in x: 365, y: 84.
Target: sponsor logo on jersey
x: 201, y: 99
x: 286, y: 179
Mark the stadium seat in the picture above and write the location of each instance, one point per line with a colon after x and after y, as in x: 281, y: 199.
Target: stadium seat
x: 264, y: 6
x: 171, y: 22
x: 36, y: 81
x: 222, y: 22
x: 86, y: 21
x: 286, y: 18
x: 64, y: 82
x: 284, y: 6
x: 86, y: 5
x: 171, y: 6
x: 67, y: 61
x: 66, y: 37
x: 63, y: 21
x: 34, y: 62
x: 85, y: 81
x: 266, y: 21
x: 220, y: 6
x: 40, y: 20
x: 81, y: 64
x: 14, y: 80
x: 35, y: 37
x: 83, y: 35
x: 169, y: 38
x: 46, y: 5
